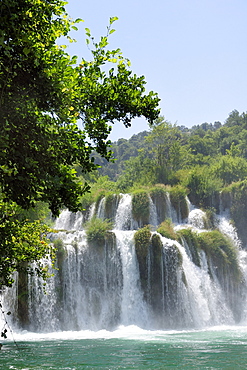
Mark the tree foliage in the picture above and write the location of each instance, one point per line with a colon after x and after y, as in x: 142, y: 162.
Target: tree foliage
x: 22, y: 242
x: 203, y: 159
x: 43, y: 94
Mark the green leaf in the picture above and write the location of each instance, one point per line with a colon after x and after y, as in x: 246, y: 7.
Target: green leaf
x: 78, y: 20
x: 113, y: 19
x: 26, y: 51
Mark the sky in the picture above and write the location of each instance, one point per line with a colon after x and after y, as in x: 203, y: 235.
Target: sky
x: 193, y: 53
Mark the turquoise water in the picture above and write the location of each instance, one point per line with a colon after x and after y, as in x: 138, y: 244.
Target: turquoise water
x: 128, y: 348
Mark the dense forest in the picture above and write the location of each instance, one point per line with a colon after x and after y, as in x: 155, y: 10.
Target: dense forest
x: 202, y: 160
x: 161, y: 154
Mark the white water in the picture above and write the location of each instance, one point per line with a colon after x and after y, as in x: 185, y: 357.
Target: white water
x: 100, y: 289
x: 133, y: 309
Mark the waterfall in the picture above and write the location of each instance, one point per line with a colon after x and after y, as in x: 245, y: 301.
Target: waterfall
x: 153, y: 217
x: 101, y: 208
x: 102, y: 285
x: 171, y: 212
x: 204, y: 302
x: 133, y: 309
x: 123, y: 220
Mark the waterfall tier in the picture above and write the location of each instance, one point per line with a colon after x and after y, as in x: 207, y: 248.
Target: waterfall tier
x: 137, y: 274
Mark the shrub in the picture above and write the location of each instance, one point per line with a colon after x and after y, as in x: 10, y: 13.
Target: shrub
x: 230, y: 169
x: 202, y: 186
x: 98, y: 190
x: 166, y: 229
x: 221, y: 250
x: 96, y: 229
x: 158, y: 191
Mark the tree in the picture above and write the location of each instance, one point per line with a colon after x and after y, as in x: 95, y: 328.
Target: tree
x: 22, y: 242
x: 43, y: 94
x: 168, y: 152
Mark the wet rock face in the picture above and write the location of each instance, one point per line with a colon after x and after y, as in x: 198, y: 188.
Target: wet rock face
x: 160, y: 267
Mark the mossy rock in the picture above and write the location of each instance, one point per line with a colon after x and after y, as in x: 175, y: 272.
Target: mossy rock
x: 159, y: 197
x: 222, y: 253
x: 142, y: 242
x: 178, y: 199
x: 156, y: 243
x: 175, y: 258
x: 111, y: 202
x: 193, y: 243
x: 226, y: 198
x: 110, y: 239
x: 210, y: 222
x: 140, y: 207
x: 22, y: 310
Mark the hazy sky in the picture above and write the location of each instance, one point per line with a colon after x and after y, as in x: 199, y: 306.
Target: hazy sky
x: 192, y: 52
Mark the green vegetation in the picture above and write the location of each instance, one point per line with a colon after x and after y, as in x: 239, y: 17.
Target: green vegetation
x: 140, y: 206
x: 142, y: 242
x: 222, y: 253
x: 166, y: 229
x: 219, y: 249
x: 96, y: 230
x: 44, y: 155
x: 192, y: 241
x: 201, y: 160
x: 21, y: 243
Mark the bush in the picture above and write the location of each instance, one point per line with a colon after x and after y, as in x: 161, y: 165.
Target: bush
x: 221, y: 250
x: 166, y: 229
x: 202, y: 186
x: 98, y: 190
x: 96, y: 229
x: 230, y: 169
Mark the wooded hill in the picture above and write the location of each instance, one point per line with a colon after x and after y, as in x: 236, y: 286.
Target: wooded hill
x: 204, y: 158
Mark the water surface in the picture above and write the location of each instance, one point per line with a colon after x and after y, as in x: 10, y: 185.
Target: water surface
x: 128, y: 348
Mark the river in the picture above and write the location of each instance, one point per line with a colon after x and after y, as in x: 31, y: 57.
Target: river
x: 223, y: 347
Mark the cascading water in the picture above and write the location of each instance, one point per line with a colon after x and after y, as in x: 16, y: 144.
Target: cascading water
x: 104, y: 285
